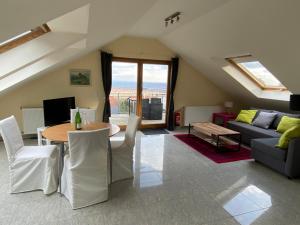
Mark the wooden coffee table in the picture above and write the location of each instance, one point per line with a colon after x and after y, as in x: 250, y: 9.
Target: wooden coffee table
x: 216, y: 135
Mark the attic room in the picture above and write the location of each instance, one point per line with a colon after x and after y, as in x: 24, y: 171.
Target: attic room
x: 149, y: 112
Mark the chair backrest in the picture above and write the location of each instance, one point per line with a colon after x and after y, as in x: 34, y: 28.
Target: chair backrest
x: 132, y: 126
x: 88, y: 115
x: 145, y: 101
x: 11, y: 135
x: 88, y: 157
x: 155, y: 100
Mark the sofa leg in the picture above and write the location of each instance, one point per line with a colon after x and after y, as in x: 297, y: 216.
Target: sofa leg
x: 290, y: 178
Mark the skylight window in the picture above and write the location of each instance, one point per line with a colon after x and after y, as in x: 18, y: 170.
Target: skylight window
x: 14, y: 38
x: 23, y: 38
x: 257, y: 72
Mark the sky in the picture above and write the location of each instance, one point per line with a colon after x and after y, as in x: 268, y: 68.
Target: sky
x: 123, y: 71
x: 262, y: 73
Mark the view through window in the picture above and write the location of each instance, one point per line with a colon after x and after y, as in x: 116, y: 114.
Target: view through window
x: 123, y: 94
x: 154, y: 95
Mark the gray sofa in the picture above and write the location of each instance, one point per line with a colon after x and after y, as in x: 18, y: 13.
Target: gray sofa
x: 263, y: 143
x: 250, y: 132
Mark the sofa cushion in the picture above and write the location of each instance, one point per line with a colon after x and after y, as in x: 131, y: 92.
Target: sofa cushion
x: 285, y: 138
x: 260, y: 110
x: 287, y: 123
x: 252, y: 131
x: 267, y: 146
x: 279, y: 116
x: 264, y: 119
x: 246, y: 116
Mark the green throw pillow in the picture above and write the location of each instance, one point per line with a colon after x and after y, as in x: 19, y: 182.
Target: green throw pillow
x: 287, y: 136
x: 287, y: 123
x: 246, y: 116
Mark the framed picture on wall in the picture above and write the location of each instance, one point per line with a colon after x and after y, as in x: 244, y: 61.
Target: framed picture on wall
x: 80, y: 77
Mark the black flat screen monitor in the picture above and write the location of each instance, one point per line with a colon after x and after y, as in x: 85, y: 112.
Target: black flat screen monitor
x: 57, y: 111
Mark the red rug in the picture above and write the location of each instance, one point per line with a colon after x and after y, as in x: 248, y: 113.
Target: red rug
x: 209, y: 150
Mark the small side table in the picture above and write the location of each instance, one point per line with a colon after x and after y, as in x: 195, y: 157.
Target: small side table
x: 224, y: 116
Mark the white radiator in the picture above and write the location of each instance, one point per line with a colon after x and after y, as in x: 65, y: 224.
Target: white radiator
x: 32, y: 119
x: 194, y: 114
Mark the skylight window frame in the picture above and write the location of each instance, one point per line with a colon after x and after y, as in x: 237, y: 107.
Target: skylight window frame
x: 249, y: 75
x: 34, y: 33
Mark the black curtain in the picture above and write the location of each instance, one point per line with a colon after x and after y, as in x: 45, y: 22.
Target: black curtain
x: 106, y: 61
x: 174, y: 73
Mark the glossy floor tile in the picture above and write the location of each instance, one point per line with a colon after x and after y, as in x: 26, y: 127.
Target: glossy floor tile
x: 173, y: 184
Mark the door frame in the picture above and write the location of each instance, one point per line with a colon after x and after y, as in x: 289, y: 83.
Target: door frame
x: 140, y: 63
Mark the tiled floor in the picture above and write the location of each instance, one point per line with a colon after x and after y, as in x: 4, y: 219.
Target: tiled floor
x: 173, y: 185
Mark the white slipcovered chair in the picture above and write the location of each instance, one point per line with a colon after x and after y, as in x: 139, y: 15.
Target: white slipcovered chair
x: 85, y: 176
x: 30, y: 167
x: 41, y: 139
x: 122, y: 151
x: 87, y: 115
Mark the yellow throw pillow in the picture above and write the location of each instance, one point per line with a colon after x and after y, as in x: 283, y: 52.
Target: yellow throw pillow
x: 246, y: 116
x: 287, y: 123
x: 293, y: 132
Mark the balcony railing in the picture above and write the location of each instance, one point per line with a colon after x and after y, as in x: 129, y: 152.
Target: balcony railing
x: 125, y: 102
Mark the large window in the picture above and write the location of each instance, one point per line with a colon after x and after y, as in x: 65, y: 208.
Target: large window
x: 139, y: 86
x: 23, y: 38
x: 257, y: 72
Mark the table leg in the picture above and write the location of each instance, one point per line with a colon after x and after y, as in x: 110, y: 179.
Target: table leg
x: 214, y: 118
x: 219, y: 147
x: 110, y: 165
x: 61, y: 164
x: 218, y: 139
x: 240, y: 140
x: 225, y: 120
x: 189, y: 128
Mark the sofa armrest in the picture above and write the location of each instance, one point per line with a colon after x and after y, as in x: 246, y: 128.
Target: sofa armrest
x: 292, y: 167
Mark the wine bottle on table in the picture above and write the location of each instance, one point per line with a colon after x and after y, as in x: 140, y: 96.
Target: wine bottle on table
x: 77, y: 120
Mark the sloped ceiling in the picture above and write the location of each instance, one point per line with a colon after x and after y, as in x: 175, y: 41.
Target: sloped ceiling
x: 78, y: 27
x: 266, y: 29
x: 208, y: 31
x: 19, y: 16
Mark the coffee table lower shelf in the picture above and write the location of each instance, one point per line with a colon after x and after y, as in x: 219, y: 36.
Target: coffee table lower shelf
x: 220, y: 141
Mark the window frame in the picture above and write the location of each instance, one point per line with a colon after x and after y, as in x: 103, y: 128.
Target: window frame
x: 140, y: 62
x: 252, y: 77
x: 34, y: 33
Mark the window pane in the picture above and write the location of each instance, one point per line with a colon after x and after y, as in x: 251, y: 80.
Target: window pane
x: 261, y: 73
x: 154, y: 96
x: 123, y: 92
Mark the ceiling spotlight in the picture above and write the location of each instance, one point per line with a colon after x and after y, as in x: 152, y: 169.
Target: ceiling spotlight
x: 175, y: 17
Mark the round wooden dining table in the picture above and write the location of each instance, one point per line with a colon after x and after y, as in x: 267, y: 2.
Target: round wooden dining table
x: 59, y: 135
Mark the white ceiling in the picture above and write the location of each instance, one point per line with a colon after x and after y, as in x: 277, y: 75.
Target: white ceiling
x: 208, y: 31
x: 66, y: 22
x: 152, y: 23
x: 77, y: 27
x: 19, y: 16
x: 266, y: 29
